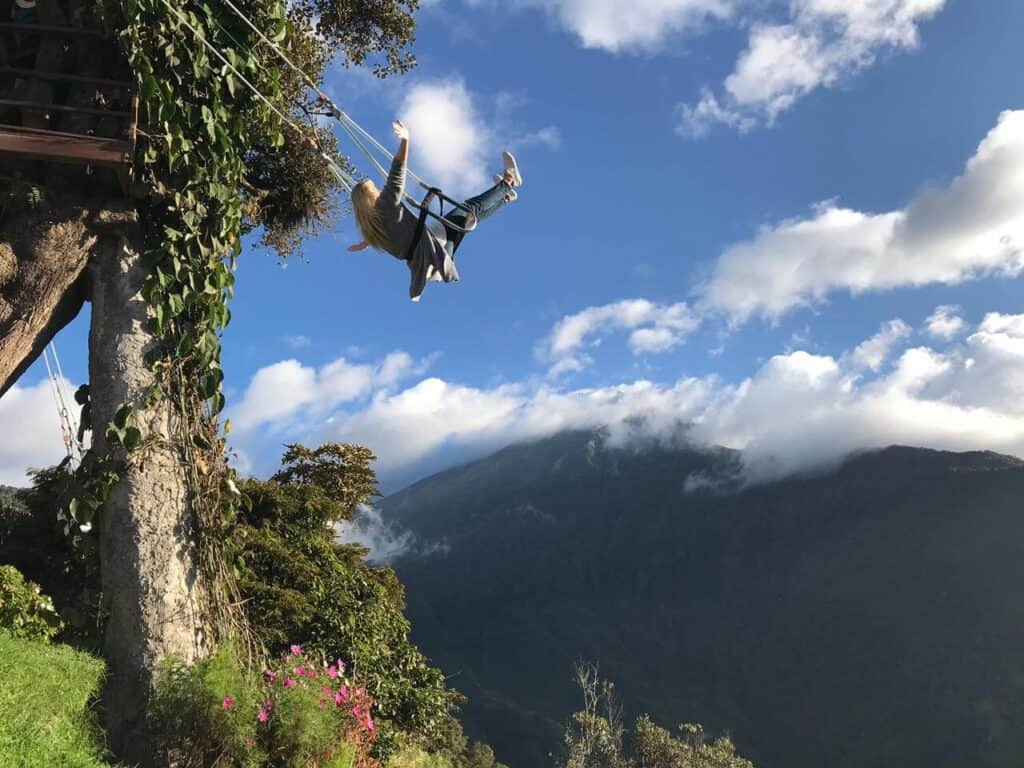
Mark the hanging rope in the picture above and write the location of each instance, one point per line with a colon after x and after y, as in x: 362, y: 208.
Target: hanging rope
x: 355, y: 131
x: 68, y: 427
x: 351, y: 127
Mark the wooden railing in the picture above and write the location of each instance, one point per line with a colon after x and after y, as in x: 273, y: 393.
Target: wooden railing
x: 54, y: 129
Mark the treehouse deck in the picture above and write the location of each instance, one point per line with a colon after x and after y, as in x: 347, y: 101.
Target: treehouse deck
x: 60, y: 100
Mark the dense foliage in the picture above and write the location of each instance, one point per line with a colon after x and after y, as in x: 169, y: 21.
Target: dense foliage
x: 41, y: 543
x: 692, y: 748
x: 301, y: 586
x: 25, y: 612
x: 595, y: 736
x: 300, y: 712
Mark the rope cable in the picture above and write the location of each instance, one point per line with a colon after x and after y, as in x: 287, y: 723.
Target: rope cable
x: 351, y: 126
x: 339, y: 115
x: 64, y: 398
x: 62, y: 414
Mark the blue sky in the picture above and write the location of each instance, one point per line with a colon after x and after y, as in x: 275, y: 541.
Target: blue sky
x: 736, y: 215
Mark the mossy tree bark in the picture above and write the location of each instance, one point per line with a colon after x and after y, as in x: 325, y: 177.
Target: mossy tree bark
x: 43, y: 256
x: 151, y: 585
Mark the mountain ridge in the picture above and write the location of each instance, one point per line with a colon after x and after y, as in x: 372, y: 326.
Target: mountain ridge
x: 884, y: 575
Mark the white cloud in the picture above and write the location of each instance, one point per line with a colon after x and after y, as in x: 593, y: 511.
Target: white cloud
x: 450, y: 138
x: 31, y: 431
x: 653, y: 328
x: 640, y: 25
x: 973, y: 227
x: 435, y: 422
x: 944, y: 322
x: 798, y: 410
x: 384, y: 541
x: 547, y: 138
x: 822, y: 43
x: 455, y: 143
x: 286, y: 390
x: 875, y: 351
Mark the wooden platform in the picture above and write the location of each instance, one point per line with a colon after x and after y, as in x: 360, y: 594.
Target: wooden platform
x: 64, y: 147
x: 113, y: 112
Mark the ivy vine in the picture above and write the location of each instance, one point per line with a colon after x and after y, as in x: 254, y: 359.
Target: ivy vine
x: 197, y: 126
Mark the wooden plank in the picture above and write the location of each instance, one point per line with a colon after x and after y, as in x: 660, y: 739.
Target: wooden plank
x: 35, y: 73
x: 80, y: 149
x: 47, y: 132
x: 40, y: 106
x: 51, y: 29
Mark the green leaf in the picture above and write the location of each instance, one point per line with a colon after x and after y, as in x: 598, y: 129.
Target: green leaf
x: 122, y: 416
x: 175, y: 304
x: 132, y: 438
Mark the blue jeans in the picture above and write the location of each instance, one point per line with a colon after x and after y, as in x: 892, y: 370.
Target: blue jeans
x: 483, y: 205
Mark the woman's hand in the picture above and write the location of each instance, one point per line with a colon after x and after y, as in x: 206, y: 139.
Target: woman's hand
x: 400, y: 130
x: 358, y: 247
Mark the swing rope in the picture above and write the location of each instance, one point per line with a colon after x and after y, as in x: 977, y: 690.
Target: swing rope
x: 68, y: 427
x: 355, y: 131
x: 351, y: 127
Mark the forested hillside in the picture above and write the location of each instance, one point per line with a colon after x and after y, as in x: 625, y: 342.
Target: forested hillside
x: 862, y: 617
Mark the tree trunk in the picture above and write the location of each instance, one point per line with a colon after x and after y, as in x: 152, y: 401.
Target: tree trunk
x: 151, y: 590
x: 42, y: 261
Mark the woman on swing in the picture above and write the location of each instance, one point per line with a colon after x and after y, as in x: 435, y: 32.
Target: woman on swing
x: 386, y: 224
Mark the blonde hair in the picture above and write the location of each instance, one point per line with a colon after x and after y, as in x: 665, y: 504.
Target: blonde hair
x: 364, y: 206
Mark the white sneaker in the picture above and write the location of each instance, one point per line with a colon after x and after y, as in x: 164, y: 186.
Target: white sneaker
x: 512, y: 196
x: 511, y: 169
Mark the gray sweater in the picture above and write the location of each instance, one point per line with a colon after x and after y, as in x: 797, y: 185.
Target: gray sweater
x: 429, y: 261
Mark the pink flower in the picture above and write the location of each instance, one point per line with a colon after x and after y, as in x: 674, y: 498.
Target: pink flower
x: 228, y: 702
x: 370, y: 724
x: 271, y: 675
x: 289, y: 682
x: 296, y: 649
x: 332, y: 672
x: 327, y: 691
x: 263, y: 716
x: 338, y: 699
x: 300, y: 671
x: 341, y: 665
x: 358, y: 712
x: 344, y: 693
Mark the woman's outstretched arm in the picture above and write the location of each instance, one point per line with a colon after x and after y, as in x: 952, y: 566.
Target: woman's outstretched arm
x: 395, y: 187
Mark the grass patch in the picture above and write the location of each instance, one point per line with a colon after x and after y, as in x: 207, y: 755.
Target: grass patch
x: 415, y: 758
x: 45, y: 715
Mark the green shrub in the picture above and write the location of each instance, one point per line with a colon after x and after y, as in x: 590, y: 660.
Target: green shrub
x: 301, y: 586
x: 692, y: 748
x: 300, y: 713
x: 594, y: 736
x: 45, y: 697
x: 25, y: 612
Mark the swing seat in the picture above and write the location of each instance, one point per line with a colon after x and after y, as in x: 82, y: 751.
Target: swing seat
x: 426, y: 211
